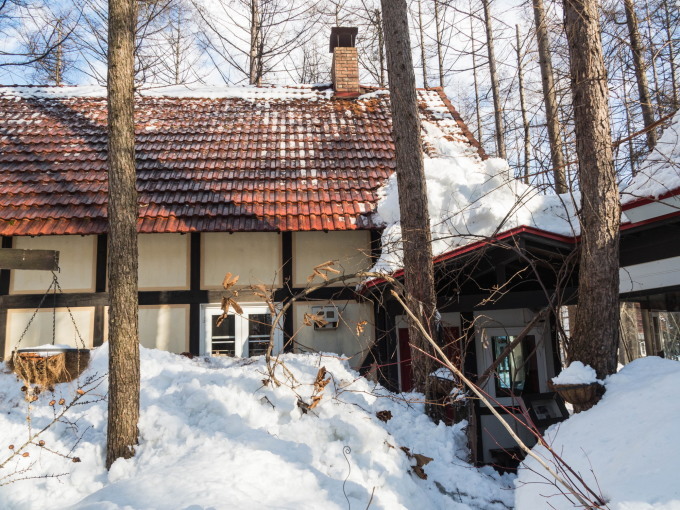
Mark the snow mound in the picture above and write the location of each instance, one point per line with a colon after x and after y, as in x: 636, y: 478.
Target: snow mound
x: 626, y: 447
x: 576, y: 373
x: 470, y: 200
x: 212, y: 436
x: 660, y: 172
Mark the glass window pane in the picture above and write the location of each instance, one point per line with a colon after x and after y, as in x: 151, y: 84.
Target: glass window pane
x: 227, y: 328
x: 259, y: 327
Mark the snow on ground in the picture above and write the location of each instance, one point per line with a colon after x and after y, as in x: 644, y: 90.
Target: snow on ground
x: 660, y: 172
x: 213, y: 437
x: 627, y: 447
x: 469, y: 200
x: 576, y: 373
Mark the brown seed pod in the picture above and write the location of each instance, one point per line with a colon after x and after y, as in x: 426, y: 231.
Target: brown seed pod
x: 24, y: 388
x: 76, y: 459
x: 52, y: 402
x: 25, y: 454
x: 41, y: 443
x: 80, y: 392
x: 11, y: 447
x: 61, y: 401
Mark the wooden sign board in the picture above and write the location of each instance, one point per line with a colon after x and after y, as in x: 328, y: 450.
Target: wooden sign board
x: 45, y: 260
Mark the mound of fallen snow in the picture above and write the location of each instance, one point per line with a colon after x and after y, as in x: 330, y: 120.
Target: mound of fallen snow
x: 212, y: 436
x: 627, y: 447
x: 470, y: 200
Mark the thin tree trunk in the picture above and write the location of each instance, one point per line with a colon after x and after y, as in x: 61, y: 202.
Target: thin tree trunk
x: 595, y: 336
x: 440, y: 43
x: 495, y: 84
x: 59, y: 55
x: 525, y: 122
x: 550, y: 99
x: 671, y: 55
x: 415, y: 220
x: 381, y: 46
x: 255, y: 56
x: 640, y: 71
x: 423, y: 57
x: 122, y: 218
x: 478, y: 113
x: 629, y: 131
x: 652, y: 62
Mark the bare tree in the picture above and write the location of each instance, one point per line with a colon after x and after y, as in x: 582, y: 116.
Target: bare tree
x: 415, y: 220
x: 525, y: 121
x: 124, y: 377
x: 595, y: 334
x: 495, y: 83
x: 640, y: 71
x: 550, y: 98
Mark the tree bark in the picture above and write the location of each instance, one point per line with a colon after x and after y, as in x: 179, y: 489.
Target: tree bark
x: 640, y: 72
x: 255, y: 77
x: 415, y: 219
x: 440, y: 43
x: 423, y: 56
x: 550, y: 98
x: 495, y: 84
x: 525, y: 122
x: 122, y: 217
x: 596, y: 333
x: 478, y: 114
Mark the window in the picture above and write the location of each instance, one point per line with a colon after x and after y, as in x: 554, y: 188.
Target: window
x: 517, y: 372
x: 239, y: 335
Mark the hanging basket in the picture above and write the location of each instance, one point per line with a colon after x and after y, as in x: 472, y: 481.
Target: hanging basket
x: 49, y: 365
x: 582, y: 395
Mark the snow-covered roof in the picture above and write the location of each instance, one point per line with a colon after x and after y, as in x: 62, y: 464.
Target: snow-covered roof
x: 208, y: 159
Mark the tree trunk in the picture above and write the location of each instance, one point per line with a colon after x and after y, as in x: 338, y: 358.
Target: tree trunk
x: 122, y: 217
x: 596, y: 333
x: 415, y: 220
x: 495, y: 84
x: 478, y: 114
x: 668, y: 27
x: 550, y: 98
x: 423, y: 57
x: 525, y: 122
x: 640, y: 72
x: 440, y: 43
x: 255, y: 55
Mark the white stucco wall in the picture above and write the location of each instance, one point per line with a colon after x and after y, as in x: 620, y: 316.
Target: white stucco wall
x: 344, y: 340
x: 163, y: 261
x: 164, y: 327
x: 351, y: 252
x: 40, y: 331
x: 254, y: 256
x: 77, y: 256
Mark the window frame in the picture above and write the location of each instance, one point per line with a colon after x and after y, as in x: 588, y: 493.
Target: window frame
x: 241, y: 330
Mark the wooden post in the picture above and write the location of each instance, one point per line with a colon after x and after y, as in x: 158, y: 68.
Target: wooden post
x: 43, y: 260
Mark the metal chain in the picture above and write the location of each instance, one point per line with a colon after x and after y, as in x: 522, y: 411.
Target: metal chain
x: 34, y: 314
x: 68, y: 309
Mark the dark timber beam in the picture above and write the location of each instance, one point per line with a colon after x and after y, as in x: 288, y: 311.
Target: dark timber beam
x: 44, y: 260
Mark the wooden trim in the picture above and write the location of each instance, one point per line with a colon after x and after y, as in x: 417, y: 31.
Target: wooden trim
x: 100, y: 286
x: 286, y: 291
x: 195, y: 265
x: 5, y: 273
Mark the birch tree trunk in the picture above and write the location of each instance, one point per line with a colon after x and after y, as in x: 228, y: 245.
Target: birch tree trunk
x: 495, y: 84
x: 122, y: 217
x: 550, y: 98
x: 596, y: 333
x: 640, y: 71
x: 415, y: 220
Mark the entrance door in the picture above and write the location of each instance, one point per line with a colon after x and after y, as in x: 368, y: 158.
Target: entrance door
x: 451, y: 348
x: 239, y: 335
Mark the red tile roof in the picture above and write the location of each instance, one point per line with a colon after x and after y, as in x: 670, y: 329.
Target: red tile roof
x: 277, y: 160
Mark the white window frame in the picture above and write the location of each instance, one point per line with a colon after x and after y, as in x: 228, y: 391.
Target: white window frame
x: 240, y: 327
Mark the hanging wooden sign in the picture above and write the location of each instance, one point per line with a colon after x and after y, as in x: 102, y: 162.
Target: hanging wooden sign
x: 45, y: 260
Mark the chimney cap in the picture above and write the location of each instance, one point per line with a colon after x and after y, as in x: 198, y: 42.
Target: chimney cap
x: 344, y: 37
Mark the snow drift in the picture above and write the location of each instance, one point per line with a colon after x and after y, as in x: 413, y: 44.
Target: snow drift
x: 212, y: 436
x: 626, y: 447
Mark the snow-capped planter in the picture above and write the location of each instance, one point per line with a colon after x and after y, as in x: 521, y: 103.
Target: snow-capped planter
x: 49, y: 364
x: 584, y: 396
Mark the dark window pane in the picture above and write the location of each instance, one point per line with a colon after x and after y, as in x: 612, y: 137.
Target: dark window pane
x: 223, y: 348
x: 259, y: 324
x: 257, y: 347
x: 227, y: 328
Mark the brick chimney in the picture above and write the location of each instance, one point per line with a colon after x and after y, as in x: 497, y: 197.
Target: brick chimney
x: 345, y: 70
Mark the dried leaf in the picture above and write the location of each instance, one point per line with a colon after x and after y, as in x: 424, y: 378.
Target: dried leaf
x: 422, y: 460
x: 229, y: 281
x: 420, y: 473
x: 361, y: 326
x: 384, y: 415
x: 236, y: 306
x: 309, y: 319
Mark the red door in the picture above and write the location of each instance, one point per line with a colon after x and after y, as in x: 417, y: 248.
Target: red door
x: 405, y: 370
